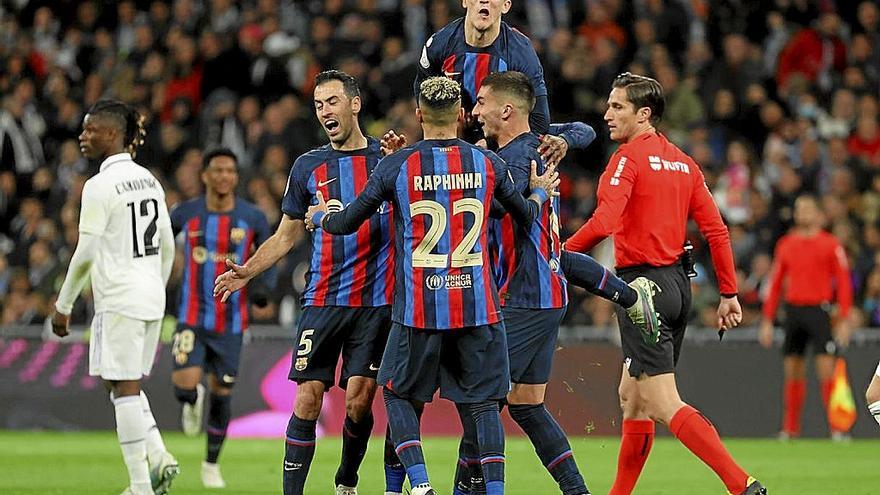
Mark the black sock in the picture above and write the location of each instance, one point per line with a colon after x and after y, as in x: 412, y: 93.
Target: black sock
x: 469, y: 471
x: 490, y: 436
x: 219, y: 412
x: 355, y: 437
x: 299, y: 449
x: 186, y: 395
x: 551, y: 445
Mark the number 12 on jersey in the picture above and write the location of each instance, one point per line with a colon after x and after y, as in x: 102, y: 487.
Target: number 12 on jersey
x: 144, y: 230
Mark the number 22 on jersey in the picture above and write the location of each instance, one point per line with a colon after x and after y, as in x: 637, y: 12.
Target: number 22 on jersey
x: 462, y: 254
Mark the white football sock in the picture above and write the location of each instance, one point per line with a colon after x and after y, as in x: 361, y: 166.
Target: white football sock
x: 131, y: 432
x: 155, y: 445
x: 875, y: 411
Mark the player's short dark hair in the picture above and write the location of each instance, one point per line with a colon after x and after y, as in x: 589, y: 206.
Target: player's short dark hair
x: 349, y: 83
x: 214, y: 153
x: 514, y: 84
x: 439, y: 100
x: 126, y: 118
x: 643, y: 91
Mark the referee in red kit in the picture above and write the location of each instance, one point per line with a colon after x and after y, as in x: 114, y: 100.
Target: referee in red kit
x: 646, y: 195
x: 809, y: 267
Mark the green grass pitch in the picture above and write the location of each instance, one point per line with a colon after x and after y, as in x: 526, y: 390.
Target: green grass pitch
x: 91, y: 463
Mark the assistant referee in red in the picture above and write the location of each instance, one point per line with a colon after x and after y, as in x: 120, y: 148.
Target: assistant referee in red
x: 646, y: 195
x: 809, y: 269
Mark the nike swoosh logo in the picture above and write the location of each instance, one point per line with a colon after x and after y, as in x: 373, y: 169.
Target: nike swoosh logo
x: 291, y: 466
x: 373, y: 367
x: 324, y: 183
x: 451, y: 74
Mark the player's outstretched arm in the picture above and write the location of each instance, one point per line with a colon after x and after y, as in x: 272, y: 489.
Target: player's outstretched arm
x: 267, y: 255
x: 74, y: 281
x: 345, y: 221
x: 349, y: 219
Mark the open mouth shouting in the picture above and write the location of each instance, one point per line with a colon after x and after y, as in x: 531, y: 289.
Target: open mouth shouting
x: 484, y: 13
x: 332, y: 126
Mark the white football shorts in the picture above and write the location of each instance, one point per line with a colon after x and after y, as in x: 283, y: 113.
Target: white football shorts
x: 122, y: 348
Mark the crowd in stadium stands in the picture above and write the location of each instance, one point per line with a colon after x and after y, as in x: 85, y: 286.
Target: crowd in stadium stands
x: 773, y: 99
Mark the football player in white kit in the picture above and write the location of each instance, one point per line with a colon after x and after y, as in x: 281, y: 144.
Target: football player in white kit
x: 872, y: 395
x: 126, y: 246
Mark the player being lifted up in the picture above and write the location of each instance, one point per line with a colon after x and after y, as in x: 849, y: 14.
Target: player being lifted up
x: 216, y: 226
x: 531, y: 275
x: 478, y: 44
x: 348, y: 294
x: 447, y: 332
x: 471, y: 47
x: 126, y: 247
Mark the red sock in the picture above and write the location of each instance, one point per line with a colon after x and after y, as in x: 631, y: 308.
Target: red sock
x: 792, y: 404
x: 636, y: 440
x: 697, y: 434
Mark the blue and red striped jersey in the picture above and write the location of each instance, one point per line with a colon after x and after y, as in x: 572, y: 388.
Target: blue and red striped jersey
x: 526, y: 258
x: 354, y: 270
x: 209, y: 238
x: 446, y: 53
x: 441, y: 191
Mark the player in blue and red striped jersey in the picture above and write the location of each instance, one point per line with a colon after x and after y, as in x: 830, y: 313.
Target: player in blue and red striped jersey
x: 471, y: 47
x: 214, y: 227
x: 532, y: 273
x: 346, y: 304
x: 448, y: 331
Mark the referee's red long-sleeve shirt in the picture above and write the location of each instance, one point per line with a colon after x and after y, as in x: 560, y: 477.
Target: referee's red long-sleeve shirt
x: 811, y: 268
x: 647, y: 193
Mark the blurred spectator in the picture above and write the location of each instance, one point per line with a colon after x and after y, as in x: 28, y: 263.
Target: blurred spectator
x: 21, y: 129
x: 865, y: 141
x: 773, y: 99
x: 814, y: 53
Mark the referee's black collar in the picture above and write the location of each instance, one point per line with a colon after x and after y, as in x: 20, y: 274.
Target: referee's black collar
x: 113, y: 159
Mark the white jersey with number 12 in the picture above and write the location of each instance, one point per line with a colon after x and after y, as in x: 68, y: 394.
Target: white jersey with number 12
x: 124, y: 205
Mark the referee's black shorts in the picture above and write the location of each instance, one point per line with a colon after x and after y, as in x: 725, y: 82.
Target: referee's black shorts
x: 673, y: 303
x: 808, y: 325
